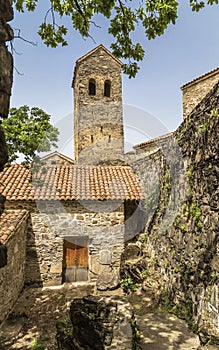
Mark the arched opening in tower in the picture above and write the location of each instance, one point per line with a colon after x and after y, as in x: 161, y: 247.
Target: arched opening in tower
x: 92, y: 87
x: 107, y: 86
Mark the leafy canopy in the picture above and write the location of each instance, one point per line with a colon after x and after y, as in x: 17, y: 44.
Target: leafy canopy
x: 124, y: 16
x: 28, y: 131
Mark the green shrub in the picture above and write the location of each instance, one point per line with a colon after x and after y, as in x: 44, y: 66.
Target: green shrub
x: 37, y: 345
x: 129, y: 285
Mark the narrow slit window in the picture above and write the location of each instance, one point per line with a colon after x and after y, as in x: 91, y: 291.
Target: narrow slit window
x: 109, y: 139
x: 92, y: 87
x: 101, y: 129
x: 92, y: 139
x: 107, y: 86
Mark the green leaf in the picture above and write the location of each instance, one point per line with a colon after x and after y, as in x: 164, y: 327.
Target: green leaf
x: 124, y: 15
x: 28, y: 131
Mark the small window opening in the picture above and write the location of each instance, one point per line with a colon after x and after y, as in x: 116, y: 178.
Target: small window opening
x: 107, y: 88
x: 92, y: 139
x: 109, y: 140
x: 92, y: 87
x: 101, y: 129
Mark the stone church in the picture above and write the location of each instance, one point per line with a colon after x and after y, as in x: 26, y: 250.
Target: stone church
x: 68, y: 218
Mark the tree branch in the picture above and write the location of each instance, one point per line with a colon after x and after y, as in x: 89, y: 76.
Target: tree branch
x: 20, y: 37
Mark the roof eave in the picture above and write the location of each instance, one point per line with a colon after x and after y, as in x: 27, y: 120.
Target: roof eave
x: 199, y: 79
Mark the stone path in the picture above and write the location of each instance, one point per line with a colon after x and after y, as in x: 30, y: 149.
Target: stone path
x: 162, y: 331
x: 165, y: 332
x: 35, y: 315
x: 37, y: 310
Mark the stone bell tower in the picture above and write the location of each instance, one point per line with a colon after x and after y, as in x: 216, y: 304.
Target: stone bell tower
x: 98, y: 115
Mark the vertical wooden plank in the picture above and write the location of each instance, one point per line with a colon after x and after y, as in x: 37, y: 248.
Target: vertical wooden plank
x: 75, y: 259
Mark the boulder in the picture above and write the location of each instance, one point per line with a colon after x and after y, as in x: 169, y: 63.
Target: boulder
x: 98, y: 323
x: 3, y: 150
x: 107, y: 281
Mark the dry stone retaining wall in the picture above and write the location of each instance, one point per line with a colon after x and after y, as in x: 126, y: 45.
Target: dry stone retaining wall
x: 180, y: 240
x: 12, y: 275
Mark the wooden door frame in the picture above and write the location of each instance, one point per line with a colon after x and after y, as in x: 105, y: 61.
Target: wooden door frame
x: 77, y: 241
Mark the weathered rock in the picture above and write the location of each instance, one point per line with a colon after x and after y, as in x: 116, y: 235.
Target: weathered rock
x: 99, y: 323
x: 133, y: 270
x: 6, y: 10
x: 107, y: 281
x: 6, y: 70
x: 3, y: 150
x: 131, y: 251
x: 6, y: 74
x: 6, y: 32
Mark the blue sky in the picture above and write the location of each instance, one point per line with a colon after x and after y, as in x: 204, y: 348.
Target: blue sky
x: 186, y: 50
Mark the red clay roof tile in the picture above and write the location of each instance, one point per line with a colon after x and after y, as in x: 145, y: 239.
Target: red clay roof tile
x: 9, y: 221
x: 69, y: 182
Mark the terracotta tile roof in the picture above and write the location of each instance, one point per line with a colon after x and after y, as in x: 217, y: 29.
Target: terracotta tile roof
x: 9, y: 220
x: 214, y: 71
x: 70, y: 182
x: 157, y: 139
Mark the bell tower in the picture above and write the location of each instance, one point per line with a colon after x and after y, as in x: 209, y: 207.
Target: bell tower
x: 98, y: 114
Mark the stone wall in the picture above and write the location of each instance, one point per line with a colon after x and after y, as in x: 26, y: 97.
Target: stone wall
x: 102, y: 222
x: 98, y: 119
x: 180, y: 240
x: 195, y: 91
x: 56, y: 158
x: 12, y: 275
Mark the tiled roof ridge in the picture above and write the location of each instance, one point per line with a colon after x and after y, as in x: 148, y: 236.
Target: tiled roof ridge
x: 161, y: 137
x: 212, y: 72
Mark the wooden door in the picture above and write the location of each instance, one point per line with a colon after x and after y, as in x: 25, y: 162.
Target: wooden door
x: 75, y: 259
